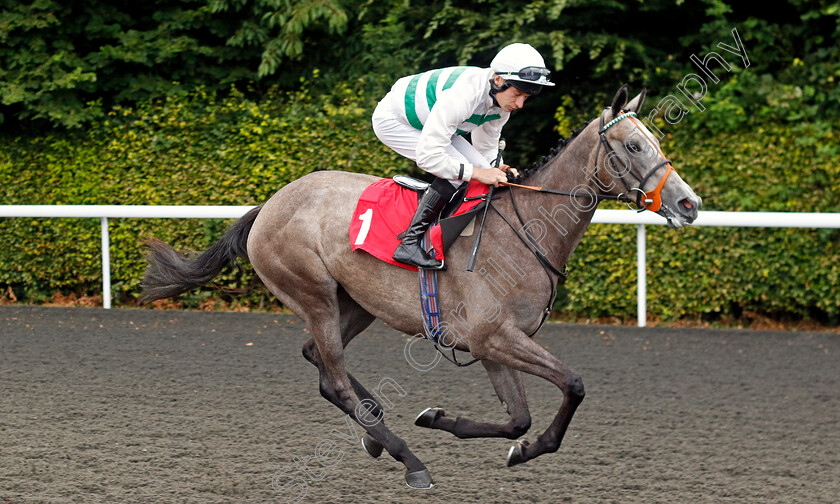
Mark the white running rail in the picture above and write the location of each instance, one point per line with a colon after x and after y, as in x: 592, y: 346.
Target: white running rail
x: 705, y: 218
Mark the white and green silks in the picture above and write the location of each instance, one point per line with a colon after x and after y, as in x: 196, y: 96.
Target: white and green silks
x: 425, y: 116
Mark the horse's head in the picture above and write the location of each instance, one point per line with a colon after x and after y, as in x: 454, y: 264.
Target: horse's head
x: 632, y: 164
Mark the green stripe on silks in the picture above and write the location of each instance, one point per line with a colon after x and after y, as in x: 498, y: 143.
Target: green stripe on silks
x: 479, y: 120
x: 410, y: 111
x: 431, y: 94
x: 461, y: 132
x: 453, y: 77
x: 431, y: 88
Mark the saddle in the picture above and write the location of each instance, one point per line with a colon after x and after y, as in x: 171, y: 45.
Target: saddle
x: 385, y: 209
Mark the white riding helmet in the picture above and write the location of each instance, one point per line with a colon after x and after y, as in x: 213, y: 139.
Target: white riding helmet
x: 522, y: 67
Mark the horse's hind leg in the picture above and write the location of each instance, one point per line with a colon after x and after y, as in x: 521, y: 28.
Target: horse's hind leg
x: 353, y: 320
x: 337, y: 386
x: 508, y: 385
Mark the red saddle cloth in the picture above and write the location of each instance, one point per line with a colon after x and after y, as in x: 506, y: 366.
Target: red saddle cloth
x: 385, y: 209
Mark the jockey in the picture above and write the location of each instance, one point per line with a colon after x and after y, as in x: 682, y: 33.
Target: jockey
x: 425, y: 117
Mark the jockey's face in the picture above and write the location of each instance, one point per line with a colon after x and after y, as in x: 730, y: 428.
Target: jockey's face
x: 511, y: 98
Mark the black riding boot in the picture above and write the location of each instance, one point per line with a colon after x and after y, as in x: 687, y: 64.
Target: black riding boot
x: 437, y: 195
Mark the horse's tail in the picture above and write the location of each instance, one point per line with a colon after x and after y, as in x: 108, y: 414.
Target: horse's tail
x: 170, y: 273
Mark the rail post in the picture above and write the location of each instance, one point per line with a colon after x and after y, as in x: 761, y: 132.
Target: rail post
x: 641, y: 267
x: 106, y: 264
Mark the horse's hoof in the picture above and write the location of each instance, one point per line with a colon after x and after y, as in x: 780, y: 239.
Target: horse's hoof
x: 516, y: 455
x: 428, y: 416
x: 419, y: 479
x: 372, y: 446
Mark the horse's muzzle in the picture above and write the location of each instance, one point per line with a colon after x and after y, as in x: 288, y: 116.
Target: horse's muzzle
x: 688, y: 208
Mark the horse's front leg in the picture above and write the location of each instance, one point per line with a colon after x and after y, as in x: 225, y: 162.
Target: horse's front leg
x: 515, y: 349
x: 508, y: 385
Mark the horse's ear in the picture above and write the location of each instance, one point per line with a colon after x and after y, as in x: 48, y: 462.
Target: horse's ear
x: 619, y: 100
x: 636, y: 103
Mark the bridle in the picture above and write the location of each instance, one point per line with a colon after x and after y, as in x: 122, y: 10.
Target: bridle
x: 652, y: 202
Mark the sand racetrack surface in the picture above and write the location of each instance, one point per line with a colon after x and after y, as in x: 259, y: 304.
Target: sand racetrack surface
x: 137, y: 406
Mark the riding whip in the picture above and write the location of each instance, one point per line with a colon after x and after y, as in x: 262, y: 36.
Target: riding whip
x: 474, y: 253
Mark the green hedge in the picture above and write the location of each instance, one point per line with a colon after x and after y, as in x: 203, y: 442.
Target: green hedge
x: 201, y: 149
x: 197, y: 150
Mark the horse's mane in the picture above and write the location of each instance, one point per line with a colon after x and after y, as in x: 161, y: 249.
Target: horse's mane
x: 554, y: 152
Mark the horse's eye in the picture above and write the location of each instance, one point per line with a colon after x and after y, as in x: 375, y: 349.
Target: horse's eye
x: 633, y: 146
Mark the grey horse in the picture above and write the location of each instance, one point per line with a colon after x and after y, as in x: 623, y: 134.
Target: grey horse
x: 298, y: 244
